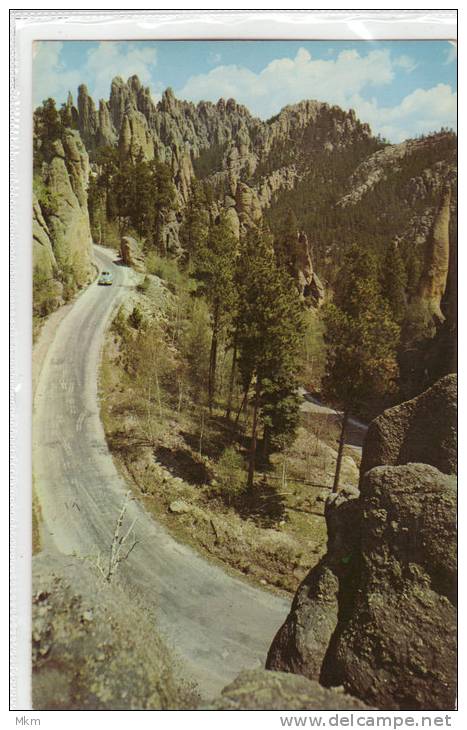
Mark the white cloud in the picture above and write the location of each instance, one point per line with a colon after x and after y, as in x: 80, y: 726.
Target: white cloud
x: 422, y: 111
x: 405, y: 62
x: 101, y: 64
x: 50, y: 77
x: 287, y: 81
x: 344, y: 80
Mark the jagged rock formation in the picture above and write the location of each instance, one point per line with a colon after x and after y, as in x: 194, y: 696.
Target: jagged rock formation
x: 106, y: 135
x: 88, y: 120
x: 62, y: 243
x: 378, y: 613
x: 247, y: 205
x: 262, y: 690
x: 178, y: 132
x: 433, y: 281
x: 135, y: 140
x: 66, y: 177
x: 256, y: 163
x: 307, y: 279
x: 423, y: 429
x: 421, y: 174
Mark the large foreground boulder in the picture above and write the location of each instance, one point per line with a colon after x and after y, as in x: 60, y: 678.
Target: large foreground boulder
x: 259, y: 689
x: 94, y: 648
x: 397, y: 650
x: 423, y: 430
x: 377, y: 615
x: 302, y: 642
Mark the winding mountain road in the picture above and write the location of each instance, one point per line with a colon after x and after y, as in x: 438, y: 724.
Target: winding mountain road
x: 217, y: 624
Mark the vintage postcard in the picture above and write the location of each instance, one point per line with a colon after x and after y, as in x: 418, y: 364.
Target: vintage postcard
x: 244, y: 448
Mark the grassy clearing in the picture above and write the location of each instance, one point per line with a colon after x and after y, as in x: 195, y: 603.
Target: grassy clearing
x: 189, y: 467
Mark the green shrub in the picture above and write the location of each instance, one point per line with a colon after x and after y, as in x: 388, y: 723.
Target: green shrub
x: 135, y: 319
x: 144, y: 286
x: 231, y: 474
x: 194, y: 345
x: 119, y: 324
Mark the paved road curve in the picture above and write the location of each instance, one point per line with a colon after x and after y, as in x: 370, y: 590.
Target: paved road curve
x: 217, y: 624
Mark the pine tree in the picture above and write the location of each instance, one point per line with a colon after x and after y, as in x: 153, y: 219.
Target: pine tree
x: 362, y: 338
x: 194, y: 229
x: 270, y: 325
x: 286, y: 243
x: 214, y: 268
x: 48, y: 128
x: 163, y: 195
x: 394, y: 282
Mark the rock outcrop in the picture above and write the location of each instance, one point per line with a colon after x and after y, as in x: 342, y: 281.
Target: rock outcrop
x: 62, y: 243
x: 130, y: 251
x: 258, y: 163
x: 42, y: 249
x: 433, y: 280
x: 93, y: 648
x: 262, y: 690
x: 247, y: 205
x: 424, y: 172
x: 66, y: 178
x: 308, y: 281
x: 398, y: 648
x: 377, y: 615
x: 390, y: 159
x: 135, y: 140
x: 178, y: 131
x: 88, y: 120
x: 106, y: 135
x: 302, y: 643
x: 423, y: 429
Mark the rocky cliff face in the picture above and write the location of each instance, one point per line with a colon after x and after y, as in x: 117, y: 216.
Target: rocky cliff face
x: 181, y: 131
x: 252, y: 164
x: 42, y: 249
x: 433, y: 281
x: 422, y: 175
x: 384, y: 163
x: 62, y: 243
x: 377, y: 615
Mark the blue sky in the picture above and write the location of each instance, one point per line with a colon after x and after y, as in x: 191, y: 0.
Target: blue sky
x: 401, y: 88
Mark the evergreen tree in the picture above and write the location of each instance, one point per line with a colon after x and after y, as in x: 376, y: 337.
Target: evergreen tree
x: 138, y: 194
x: 362, y: 337
x: 286, y: 243
x: 270, y: 326
x: 394, y: 282
x: 163, y: 195
x: 195, y: 226
x: 214, y: 268
x: 47, y: 128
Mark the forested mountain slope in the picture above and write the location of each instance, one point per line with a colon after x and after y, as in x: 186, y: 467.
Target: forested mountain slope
x: 313, y: 173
